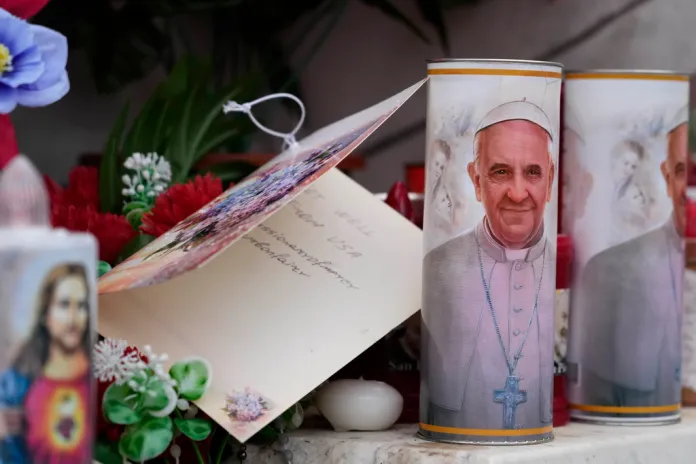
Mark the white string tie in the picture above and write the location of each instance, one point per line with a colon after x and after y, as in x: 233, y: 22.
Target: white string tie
x: 289, y: 140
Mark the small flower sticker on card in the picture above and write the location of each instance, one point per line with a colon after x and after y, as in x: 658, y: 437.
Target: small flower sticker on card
x: 246, y: 406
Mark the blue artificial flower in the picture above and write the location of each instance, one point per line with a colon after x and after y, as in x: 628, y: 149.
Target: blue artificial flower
x: 32, y: 64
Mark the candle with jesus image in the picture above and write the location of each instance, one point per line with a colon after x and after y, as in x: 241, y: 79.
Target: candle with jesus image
x: 488, y: 293
x: 47, y: 305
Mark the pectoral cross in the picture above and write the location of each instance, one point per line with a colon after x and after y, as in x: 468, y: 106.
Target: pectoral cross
x: 511, y: 396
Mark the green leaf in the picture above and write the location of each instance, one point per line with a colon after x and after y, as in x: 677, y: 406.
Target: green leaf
x: 119, y: 405
x: 109, y: 171
x: 107, y: 453
x: 179, y: 154
x: 214, y: 140
x: 135, y: 218
x: 159, y: 133
x: 102, y: 268
x: 132, y: 247
x: 175, y: 84
x: 137, y: 140
x: 213, y: 111
x: 193, y: 377
x: 134, y: 205
x: 147, y: 439
x: 196, y: 429
x: 160, y: 400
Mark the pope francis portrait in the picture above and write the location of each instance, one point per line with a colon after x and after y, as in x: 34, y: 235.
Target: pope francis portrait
x: 488, y: 294
x: 630, y: 297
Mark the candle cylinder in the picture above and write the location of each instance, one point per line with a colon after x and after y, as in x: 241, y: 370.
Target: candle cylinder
x: 490, y: 226
x: 625, y: 154
x: 47, y: 312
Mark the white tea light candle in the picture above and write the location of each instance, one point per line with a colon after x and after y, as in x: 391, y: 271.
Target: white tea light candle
x: 357, y: 404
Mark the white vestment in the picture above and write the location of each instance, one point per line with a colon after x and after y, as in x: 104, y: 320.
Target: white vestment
x: 462, y: 359
x: 629, y: 308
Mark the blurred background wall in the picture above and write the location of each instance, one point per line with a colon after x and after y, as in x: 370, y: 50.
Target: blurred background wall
x: 368, y: 57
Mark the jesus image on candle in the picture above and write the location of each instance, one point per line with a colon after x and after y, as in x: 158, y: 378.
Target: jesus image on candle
x: 46, y: 411
x: 488, y: 296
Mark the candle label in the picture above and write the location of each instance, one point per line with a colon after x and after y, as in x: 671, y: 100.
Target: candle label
x: 489, y: 239
x: 625, y: 146
x: 47, y: 397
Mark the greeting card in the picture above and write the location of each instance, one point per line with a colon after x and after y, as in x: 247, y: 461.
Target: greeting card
x: 278, y: 283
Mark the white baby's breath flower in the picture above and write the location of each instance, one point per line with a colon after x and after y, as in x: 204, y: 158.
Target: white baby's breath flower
x: 163, y: 170
x: 156, y: 364
x: 151, y: 176
x: 112, y: 364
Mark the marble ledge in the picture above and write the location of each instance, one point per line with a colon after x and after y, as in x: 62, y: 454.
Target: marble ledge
x: 575, y: 443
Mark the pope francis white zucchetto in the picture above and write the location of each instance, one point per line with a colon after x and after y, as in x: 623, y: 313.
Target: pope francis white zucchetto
x: 517, y: 110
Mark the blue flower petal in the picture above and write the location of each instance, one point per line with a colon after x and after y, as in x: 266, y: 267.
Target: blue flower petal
x: 5, y: 14
x: 8, y: 99
x: 15, y: 34
x: 27, y: 69
x: 54, y: 53
x: 34, y: 98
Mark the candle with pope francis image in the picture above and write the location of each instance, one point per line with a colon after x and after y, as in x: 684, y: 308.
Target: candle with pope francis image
x: 490, y: 224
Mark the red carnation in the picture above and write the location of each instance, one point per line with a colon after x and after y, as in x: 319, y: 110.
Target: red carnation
x: 398, y: 199
x: 112, y: 232
x: 76, y: 208
x: 82, y: 190
x: 179, y: 202
x: 83, y: 187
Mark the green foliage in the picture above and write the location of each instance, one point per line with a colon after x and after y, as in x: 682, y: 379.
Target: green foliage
x: 196, y: 429
x: 102, y: 268
x: 121, y: 406
x: 181, y: 121
x: 107, y: 453
x: 146, y: 439
x: 134, y: 211
x: 192, y: 378
x: 144, y: 404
